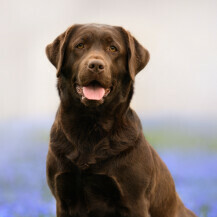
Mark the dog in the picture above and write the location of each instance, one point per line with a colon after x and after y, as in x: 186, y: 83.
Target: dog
x: 99, y: 163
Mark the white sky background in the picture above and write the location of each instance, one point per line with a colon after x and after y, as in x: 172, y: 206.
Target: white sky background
x: 180, y: 79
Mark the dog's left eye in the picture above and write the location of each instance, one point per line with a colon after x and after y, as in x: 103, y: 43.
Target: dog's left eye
x: 113, y: 49
x: 80, y: 46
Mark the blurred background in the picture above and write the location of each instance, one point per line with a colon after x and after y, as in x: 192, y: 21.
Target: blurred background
x: 175, y: 95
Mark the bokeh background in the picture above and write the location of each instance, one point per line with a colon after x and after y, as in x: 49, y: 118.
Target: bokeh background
x: 175, y: 95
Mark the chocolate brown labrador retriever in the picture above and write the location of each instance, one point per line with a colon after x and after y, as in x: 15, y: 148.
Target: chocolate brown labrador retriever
x: 99, y: 163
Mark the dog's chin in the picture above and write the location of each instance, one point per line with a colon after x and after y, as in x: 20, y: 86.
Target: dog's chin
x: 91, y: 103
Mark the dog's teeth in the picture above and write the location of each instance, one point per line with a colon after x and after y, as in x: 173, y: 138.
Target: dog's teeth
x: 79, y: 89
x: 107, y: 92
x: 83, y: 97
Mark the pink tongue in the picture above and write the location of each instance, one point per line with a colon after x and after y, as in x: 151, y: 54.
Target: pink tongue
x: 94, y: 92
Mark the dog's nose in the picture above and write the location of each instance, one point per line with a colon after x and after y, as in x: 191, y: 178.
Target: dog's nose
x: 96, y: 65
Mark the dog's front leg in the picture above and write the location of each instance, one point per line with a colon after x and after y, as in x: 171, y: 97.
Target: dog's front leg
x: 61, y: 211
x: 68, y: 195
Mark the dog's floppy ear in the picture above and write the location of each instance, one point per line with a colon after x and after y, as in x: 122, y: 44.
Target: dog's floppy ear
x: 138, y: 56
x: 55, y: 51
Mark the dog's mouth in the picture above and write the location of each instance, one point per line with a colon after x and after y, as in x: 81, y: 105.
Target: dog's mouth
x: 93, y: 91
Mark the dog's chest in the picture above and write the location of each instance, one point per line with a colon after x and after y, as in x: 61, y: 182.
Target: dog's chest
x: 84, y: 192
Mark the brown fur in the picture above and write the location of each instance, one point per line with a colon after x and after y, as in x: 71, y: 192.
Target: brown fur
x: 99, y: 163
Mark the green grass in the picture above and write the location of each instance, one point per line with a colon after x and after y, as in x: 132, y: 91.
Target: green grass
x: 172, y: 138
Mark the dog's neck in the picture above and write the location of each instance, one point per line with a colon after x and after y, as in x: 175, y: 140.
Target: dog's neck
x: 91, y: 134
x: 90, y: 121
x: 97, y: 136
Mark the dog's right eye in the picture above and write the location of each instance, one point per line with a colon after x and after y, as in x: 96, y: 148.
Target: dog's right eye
x: 80, y: 46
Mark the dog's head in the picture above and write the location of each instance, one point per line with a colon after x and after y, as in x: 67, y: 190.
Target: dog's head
x: 96, y: 64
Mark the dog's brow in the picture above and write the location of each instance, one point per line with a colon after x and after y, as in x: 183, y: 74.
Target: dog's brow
x: 81, y: 38
x: 108, y: 39
x: 85, y: 36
